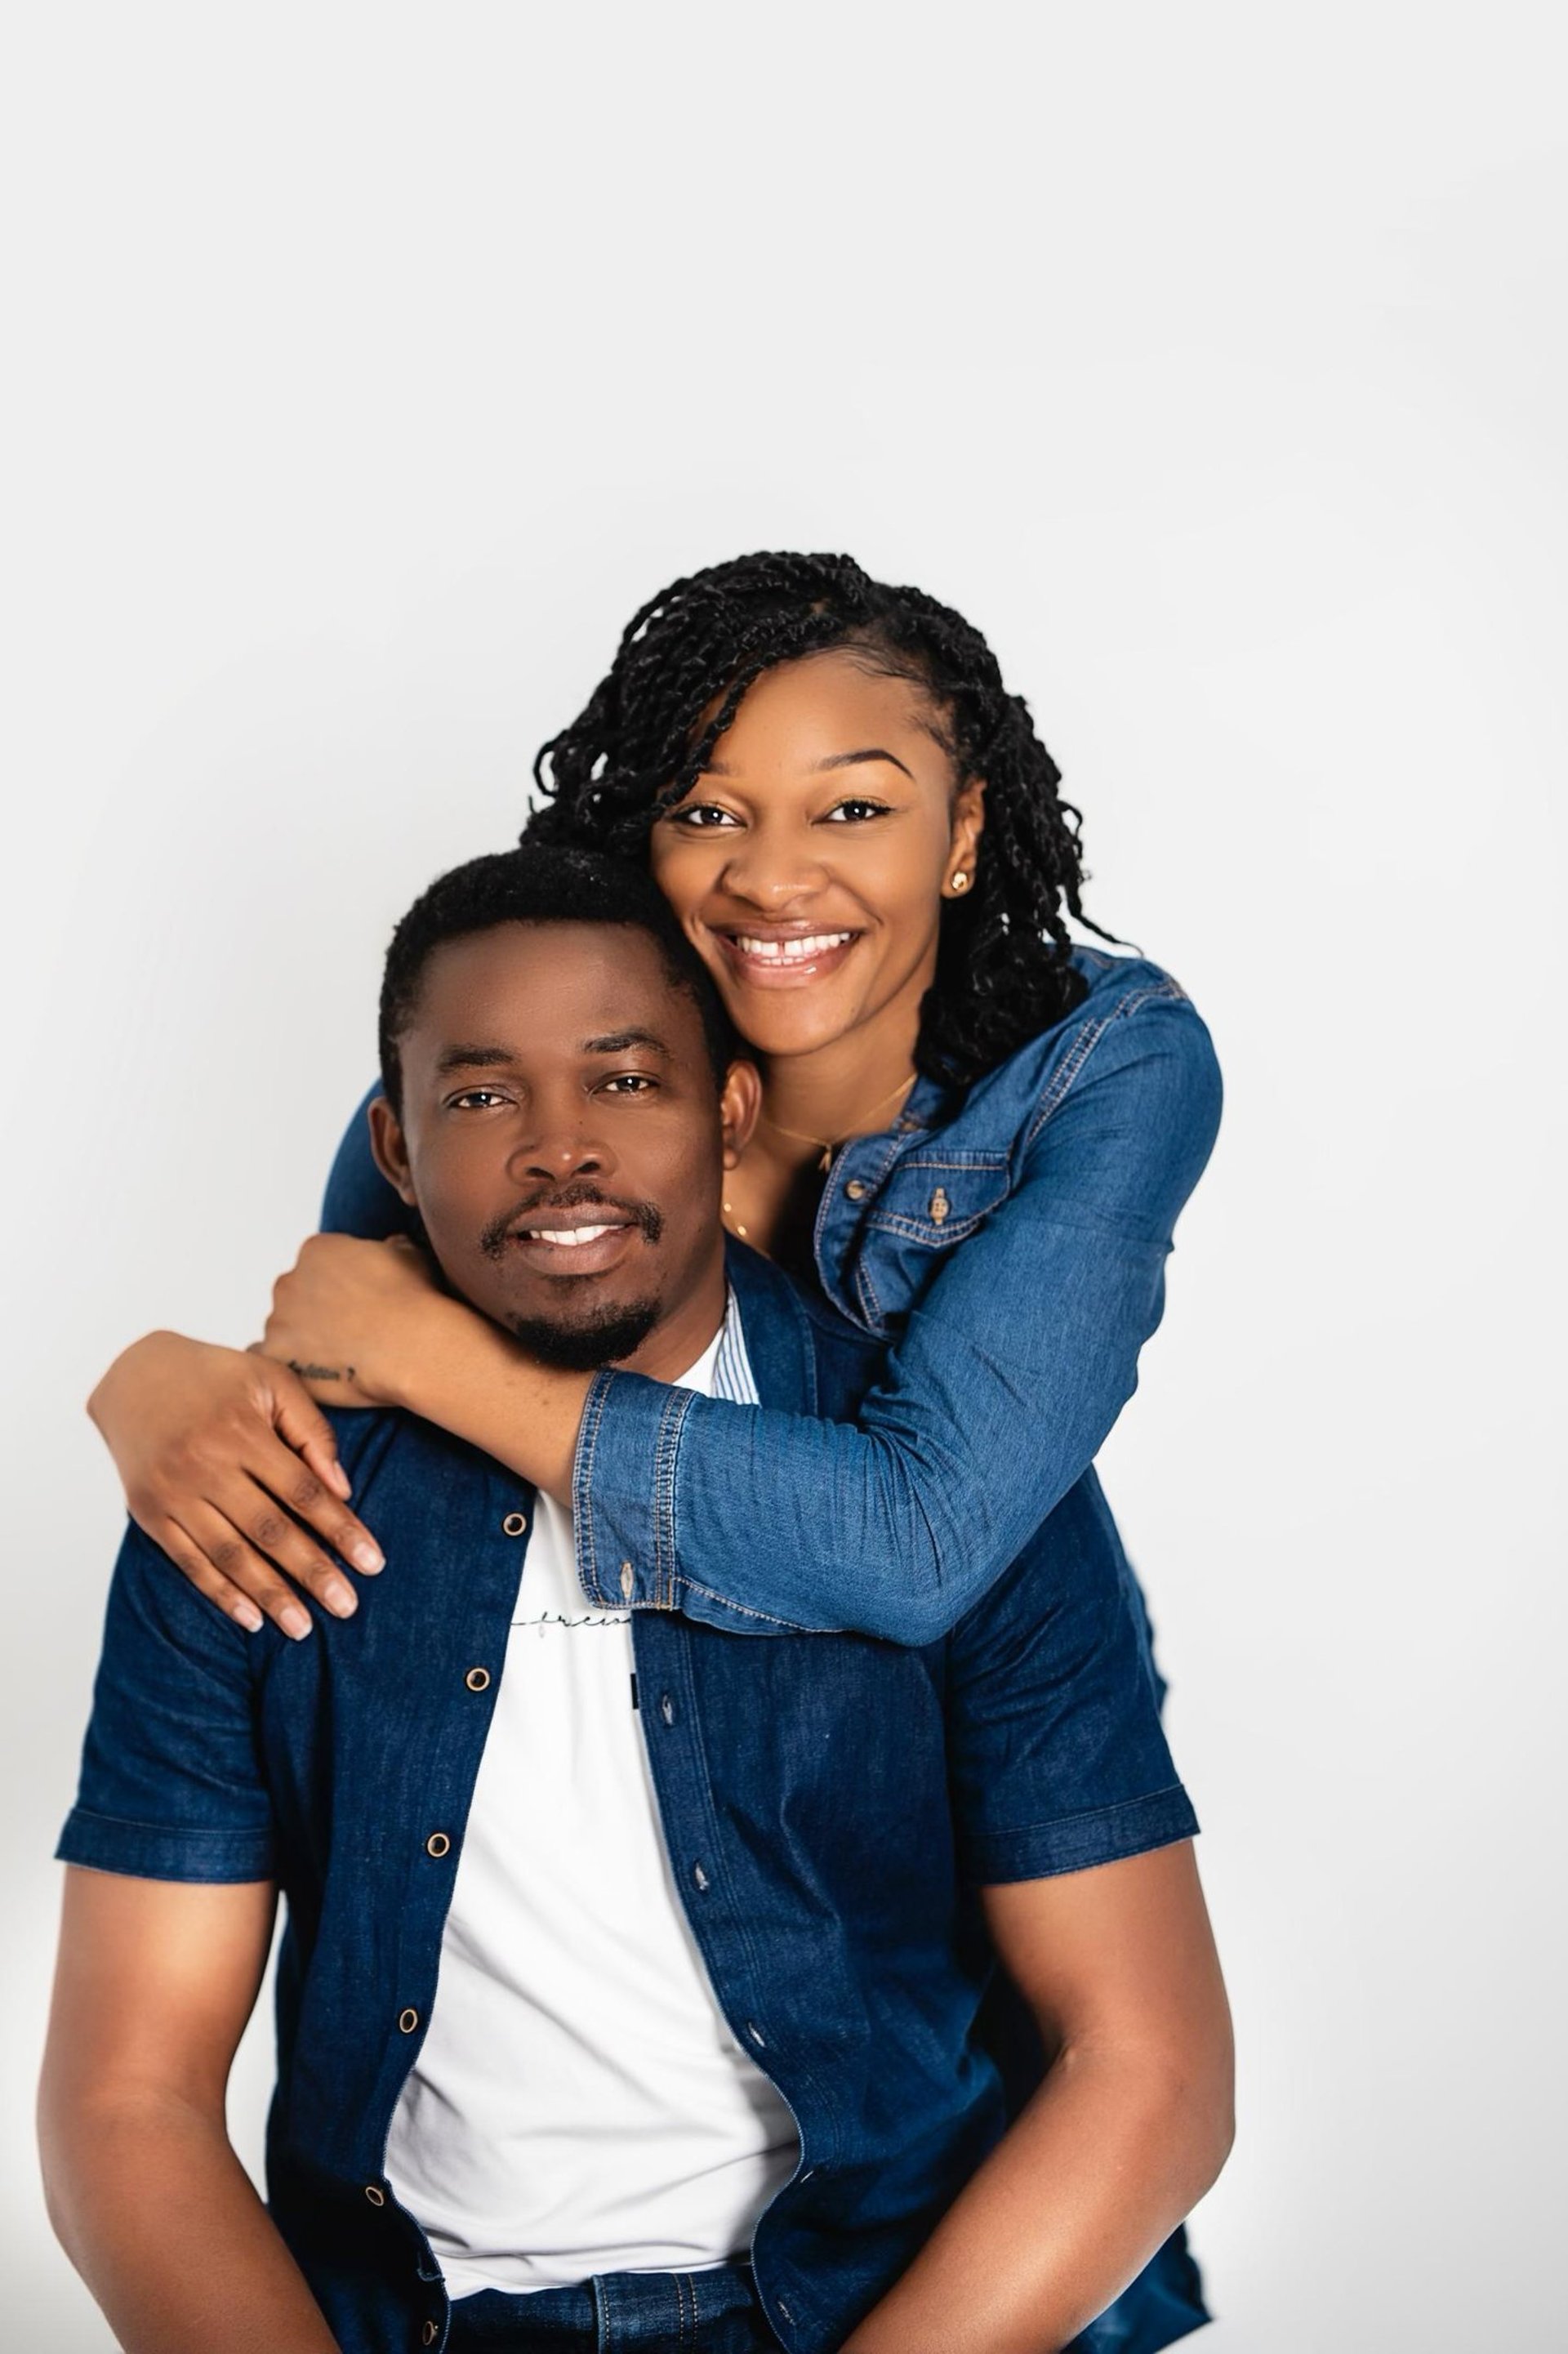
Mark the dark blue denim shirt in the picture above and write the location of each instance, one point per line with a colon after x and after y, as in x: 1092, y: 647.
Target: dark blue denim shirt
x: 828, y: 1806
x: 1009, y: 1245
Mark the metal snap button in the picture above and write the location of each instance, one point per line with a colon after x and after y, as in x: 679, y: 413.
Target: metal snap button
x: 478, y: 1679
x: 430, y: 2332
x: 628, y: 1579
x: 855, y: 1189
x: 406, y: 2021
x: 940, y: 1206
x: 438, y: 1844
x: 377, y: 2197
x: 515, y: 1524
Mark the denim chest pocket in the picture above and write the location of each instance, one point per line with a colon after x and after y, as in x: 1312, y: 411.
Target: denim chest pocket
x: 931, y: 1201
x: 936, y: 1199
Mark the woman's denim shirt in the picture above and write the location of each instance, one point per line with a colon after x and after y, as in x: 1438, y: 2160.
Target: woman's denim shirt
x: 1010, y: 1244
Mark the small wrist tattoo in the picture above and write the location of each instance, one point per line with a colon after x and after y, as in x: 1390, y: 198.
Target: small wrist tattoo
x: 320, y: 1373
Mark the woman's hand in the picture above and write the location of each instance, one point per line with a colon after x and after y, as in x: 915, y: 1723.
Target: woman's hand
x: 228, y: 1465
x: 365, y: 1323
x: 353, y: 1321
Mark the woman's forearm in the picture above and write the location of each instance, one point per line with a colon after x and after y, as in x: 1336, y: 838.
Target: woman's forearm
x: 469, y: 1378
x: 1107, y: 2158
x: 166, y: 2229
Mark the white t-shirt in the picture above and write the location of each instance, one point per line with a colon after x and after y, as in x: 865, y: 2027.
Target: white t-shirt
x: 579, y: 2105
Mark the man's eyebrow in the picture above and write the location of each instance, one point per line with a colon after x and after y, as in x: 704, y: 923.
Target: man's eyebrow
x: 466, y: 1058
x: 833, y: 761
x: 616, y: 1042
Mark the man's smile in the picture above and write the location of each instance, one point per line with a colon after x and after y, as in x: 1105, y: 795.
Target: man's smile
x: 572, y: 1237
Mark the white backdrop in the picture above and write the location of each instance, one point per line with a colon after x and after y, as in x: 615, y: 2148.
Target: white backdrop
x: 369, y: 364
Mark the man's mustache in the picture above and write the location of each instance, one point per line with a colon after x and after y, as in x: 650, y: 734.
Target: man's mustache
x: 493, y: 1242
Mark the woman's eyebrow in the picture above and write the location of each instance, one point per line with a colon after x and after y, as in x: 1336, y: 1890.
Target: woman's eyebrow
x: 833, y: 761
x: 872, y: 752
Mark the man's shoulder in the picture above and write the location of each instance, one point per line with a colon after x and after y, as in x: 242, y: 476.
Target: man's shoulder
x: 387, y: 1447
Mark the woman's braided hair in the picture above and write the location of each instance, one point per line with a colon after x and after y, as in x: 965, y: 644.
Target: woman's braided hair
x: 1002, y: 974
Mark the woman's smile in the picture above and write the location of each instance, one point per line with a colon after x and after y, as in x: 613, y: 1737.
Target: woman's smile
x: 783, y: 955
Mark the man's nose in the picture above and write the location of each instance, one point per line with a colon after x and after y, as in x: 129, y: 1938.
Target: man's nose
x: 561, y: 1153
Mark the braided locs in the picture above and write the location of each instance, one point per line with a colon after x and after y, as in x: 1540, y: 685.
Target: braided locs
x: 1002, y: 974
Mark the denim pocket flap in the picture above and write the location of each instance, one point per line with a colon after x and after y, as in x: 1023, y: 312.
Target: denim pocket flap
x: 936, y: 1199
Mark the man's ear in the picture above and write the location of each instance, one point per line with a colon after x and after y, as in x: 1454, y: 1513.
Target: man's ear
x: 391, y: 1151
x: 740, y: 1101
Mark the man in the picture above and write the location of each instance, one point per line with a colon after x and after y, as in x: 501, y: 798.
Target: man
x: 629, y: 1989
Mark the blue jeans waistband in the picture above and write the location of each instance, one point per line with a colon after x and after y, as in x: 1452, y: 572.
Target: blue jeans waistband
x: 714, y: 2312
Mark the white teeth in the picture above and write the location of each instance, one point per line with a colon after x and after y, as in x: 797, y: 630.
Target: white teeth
x: 570, y: 1237
x: 792, y: 951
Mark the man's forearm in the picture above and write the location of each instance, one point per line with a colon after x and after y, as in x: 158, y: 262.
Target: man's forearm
x: 1101, y: 2166
x: 164, y: 2226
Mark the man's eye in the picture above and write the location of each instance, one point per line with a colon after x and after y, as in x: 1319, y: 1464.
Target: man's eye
x: 476, y: 1098
x: 856, y: 812
x: 630, y: 1083
x: 702, y: 817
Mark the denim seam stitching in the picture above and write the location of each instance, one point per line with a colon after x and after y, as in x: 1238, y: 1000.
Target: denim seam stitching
x: 1086, y: 1814
x: 765, y: 1618
x: 1089, y: 1039
x: 582, y: 1482
x: 666, y: 1465
x: 171, y: 1831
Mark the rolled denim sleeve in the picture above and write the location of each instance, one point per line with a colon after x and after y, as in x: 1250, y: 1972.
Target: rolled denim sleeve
x: 1008, y: 1376
x: 172, y: 1786
x: 1057, y: 1757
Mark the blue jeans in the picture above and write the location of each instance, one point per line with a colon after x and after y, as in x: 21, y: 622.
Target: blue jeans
x: 656, y: 2313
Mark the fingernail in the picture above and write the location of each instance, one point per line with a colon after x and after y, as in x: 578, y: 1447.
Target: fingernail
x: 294, y: 1620
x: 339, y: 1479
x: 367, y: 1556
x: 339, y: 1597
x: 249, y: 1617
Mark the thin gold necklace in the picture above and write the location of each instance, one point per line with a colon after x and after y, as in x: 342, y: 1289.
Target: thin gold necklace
x: 826, y: 1146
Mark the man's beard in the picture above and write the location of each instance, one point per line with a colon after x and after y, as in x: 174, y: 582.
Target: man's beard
x: 602, y: 1338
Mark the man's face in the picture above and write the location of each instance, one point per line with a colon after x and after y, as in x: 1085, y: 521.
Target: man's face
x: 564, y: 1140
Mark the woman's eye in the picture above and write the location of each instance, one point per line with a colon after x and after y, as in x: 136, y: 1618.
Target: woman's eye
x: 630, y: 1083
x: 702, y: 817
x: 856, y: 812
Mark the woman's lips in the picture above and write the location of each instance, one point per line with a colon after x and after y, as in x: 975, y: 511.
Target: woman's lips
x: 785, y: 960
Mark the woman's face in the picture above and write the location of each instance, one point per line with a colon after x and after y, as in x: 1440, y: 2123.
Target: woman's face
x: 808, y: 862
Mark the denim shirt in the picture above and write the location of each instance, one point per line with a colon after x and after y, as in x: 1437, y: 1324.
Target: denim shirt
x: 1010, y: 1244
x: 828, y: 1806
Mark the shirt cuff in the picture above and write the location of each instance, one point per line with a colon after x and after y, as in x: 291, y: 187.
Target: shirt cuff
x: 157, y: 1851
x: 623, y: 1492
x: 1079, y: 1842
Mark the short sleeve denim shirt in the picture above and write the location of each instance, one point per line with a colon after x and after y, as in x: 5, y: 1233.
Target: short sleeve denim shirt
x: 828, y: 1806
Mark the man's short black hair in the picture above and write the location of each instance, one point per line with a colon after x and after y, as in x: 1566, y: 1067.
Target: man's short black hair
x: 540, y: 883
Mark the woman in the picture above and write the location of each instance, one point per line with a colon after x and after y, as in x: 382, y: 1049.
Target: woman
x: 976, y: 1140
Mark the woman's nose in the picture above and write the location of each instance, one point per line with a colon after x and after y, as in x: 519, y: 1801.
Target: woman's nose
x: 771, y: 868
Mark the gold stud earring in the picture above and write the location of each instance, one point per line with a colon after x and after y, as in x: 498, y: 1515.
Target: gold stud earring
x: 961, y: 881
